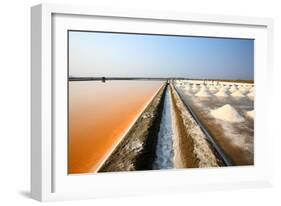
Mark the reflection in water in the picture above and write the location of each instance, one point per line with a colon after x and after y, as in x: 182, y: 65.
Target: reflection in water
x: 99, y: 115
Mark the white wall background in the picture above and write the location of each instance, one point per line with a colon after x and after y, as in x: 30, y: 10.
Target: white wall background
x: 15, y: 95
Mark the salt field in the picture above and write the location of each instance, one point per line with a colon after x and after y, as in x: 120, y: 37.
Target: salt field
x: 137, y: 125
x: 144, y: 101
x: 227, y: 113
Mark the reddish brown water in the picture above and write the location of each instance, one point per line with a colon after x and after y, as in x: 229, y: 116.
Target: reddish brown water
x: 99, y: 116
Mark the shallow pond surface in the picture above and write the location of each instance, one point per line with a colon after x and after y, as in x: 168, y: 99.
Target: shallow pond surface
x: 100, y: 114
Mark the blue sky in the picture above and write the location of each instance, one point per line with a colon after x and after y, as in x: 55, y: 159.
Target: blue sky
x: 98, y: 54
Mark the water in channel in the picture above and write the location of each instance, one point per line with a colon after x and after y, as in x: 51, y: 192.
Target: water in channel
x: 164, y: 147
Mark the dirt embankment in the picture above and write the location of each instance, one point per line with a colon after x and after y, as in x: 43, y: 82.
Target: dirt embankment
x: 194, y: 150
x: 137, y: 150
x: 184, y: 156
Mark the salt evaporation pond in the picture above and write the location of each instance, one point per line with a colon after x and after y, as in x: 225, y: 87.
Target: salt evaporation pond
x: 99, y: 116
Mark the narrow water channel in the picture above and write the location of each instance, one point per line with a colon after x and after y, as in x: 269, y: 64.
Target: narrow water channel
x: 164, y: 148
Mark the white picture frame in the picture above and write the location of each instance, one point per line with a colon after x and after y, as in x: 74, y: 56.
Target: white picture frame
x: 49, y: 180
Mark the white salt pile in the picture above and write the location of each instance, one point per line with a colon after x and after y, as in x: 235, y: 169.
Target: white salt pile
x: 222, y: 93
x: 243, y: 90
x: 178, y: 83
x: 227, y: 113
x: 226, y: 89
x: 187, y: 87
x: 233, y: 88
x: 203, y: 93
x: 251, y: 95
x: 195, y: 88
x: 238, y: 93
x: 203, y: 86
x: 217, y: 86
x: 251, y: 114
x: 212, y: 88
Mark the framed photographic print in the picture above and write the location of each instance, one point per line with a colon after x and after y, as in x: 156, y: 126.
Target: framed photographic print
x: 137, y: 102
